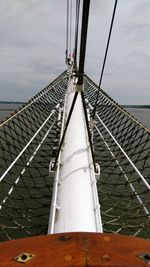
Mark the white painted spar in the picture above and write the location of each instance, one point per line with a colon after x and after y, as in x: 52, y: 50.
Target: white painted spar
x: 75, y: 206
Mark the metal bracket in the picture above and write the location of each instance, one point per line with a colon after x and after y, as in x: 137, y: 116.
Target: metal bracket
x: 97, y: 171
x: 24, y: 257
x: 51, y: 168
x: 145, y: 257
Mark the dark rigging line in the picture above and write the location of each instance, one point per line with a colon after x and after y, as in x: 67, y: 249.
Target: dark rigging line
x: 88, y: 129
x: 76, y: 32
x: 65, y: 128
x: 84, y: 29
x: 85, y: 18
x: 105, y: 57
x: 67, y: 30
x: 70, y: 33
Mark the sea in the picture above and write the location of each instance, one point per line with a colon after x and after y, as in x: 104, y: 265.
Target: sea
x: 141, y: 114
x: 6, y: 109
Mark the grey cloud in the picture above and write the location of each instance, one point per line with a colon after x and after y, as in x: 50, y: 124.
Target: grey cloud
x: 32, y: 47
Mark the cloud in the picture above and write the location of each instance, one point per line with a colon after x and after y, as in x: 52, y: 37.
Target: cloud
x: 128, y: 59
x: 32, y: 47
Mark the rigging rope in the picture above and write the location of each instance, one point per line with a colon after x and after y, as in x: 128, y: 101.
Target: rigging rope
x: 84, y: 29
x: 105, y: 56
x: 27, y: 140
x: 67, y: 30
x: 76, y: 32
x: 121, y: 146
x: 65, y: 129
x: 88, y: 129
x: 122, y: 149
x: 85, y: 16
x: 26, y: 189
x: 70, y: 32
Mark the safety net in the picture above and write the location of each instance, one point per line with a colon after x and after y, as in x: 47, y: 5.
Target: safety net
x: 29, y: 140
x: 122, y: 149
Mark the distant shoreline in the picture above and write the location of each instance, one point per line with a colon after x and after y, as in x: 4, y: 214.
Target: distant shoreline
x: 136, y: 106
x: 124, y: 106
x: 10, y: 105
x: 11, y: 102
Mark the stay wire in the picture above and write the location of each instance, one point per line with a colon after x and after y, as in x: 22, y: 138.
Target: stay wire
x: 105, y: 56
x: 76, y: 32
x: 70, y: 30
x: 65, y: 129
x: 84, y: 29
x: 67, y: 30
x: 88, y: 129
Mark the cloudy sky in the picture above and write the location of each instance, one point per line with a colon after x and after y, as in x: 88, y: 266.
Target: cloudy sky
x: 32, y: 47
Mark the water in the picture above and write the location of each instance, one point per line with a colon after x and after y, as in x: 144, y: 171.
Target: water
x: 142, y: 114
x: 6, y: 109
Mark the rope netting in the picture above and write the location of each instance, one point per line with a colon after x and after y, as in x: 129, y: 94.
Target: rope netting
x: 29, y: 140
x: 122, y: 149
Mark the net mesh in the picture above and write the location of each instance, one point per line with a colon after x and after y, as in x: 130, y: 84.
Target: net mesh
x: 29, y: 140
x: 122, y: 149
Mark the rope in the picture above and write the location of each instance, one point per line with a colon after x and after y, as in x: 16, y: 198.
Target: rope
x: 122, y: 110
x: 70, y: 32
x: 123, y: 193
x: 88, y: 129
x: 76, y: 32
x: 105, y: 56
x: 67, y: 30
x: 66, y: 126
x: 28, y: 139
x: 26, y: 190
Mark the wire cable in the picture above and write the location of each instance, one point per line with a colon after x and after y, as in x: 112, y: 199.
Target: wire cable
x: 67, y: 30
x: 85, y: 19
x: 88, y: 130
x: 105, y: 56
x: 76, y: 32
x: 65, y: 129
x: 70, y: 31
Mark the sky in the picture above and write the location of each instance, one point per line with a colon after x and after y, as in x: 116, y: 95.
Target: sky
x: 32, y: 47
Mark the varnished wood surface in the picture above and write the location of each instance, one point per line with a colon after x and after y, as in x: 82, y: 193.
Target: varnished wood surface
x: 76, y: 249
